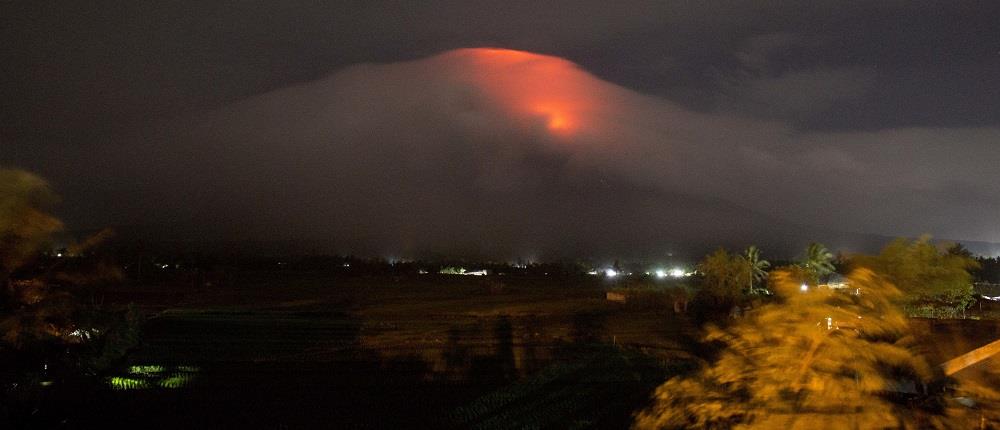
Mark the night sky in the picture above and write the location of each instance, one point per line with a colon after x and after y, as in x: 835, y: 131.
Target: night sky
x: 594, y: 128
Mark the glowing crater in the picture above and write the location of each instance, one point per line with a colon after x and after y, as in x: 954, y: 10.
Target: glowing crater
x: 537, y: 90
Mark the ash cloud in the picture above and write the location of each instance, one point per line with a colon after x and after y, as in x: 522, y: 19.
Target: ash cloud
x: 458, y: 154
x: 437, y: 155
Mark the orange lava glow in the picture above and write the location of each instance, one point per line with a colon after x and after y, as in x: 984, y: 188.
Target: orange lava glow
x: 539, y: 91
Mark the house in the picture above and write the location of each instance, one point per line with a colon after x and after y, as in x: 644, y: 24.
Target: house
x: 836, y: 281
x: 612, y: 296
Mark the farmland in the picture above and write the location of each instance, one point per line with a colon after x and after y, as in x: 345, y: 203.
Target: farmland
x: 298, y: 350
x: 306, y: 350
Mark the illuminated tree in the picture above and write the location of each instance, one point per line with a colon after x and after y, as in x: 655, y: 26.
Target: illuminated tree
x: 725, y: 276
x: 38, y: 309
x: 28, y: 309
x: 934, y: 283
x: 818, y: 262
x: 24, y: 224
x: 819, y: 359
x: 49, y: 337
x: 758, y: 269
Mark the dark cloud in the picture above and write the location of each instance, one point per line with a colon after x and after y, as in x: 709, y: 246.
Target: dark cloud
x: 450, y: 154
x: 865, y: 117
x: 72, y: 72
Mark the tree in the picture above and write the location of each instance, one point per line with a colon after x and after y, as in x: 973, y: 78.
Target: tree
x: 29, y: 310
x: 818, y: 359
x: 934, y: 283
x: 24, y: 224
x: 725, y: 275
x: 818, y: 262
x: 758, y: 269
x: 40, y: 309
x: 959, y: 250
x: 988, y: 271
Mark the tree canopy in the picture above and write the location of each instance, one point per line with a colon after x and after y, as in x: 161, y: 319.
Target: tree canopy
x: 24, y: 223
x: 42, y: 308
x: 817, y: 359
x: 818, y: 261
x: 758, y: 269
x: 927, y: 276
x: 30, y: 309
x: 725, y: 276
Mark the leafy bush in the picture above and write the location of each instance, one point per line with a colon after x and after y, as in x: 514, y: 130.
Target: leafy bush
x: 818, y: 359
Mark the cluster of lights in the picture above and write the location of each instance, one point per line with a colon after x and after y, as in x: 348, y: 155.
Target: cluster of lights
x: 658, y: 273
x: 673, y: 273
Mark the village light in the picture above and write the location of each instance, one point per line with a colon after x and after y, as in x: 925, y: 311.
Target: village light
x: 677, y: 273
x: 611, y: 273
x: 661, y: 274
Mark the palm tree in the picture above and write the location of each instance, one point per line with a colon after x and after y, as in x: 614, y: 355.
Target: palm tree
x: 818, y: 261
x: 758, y: 268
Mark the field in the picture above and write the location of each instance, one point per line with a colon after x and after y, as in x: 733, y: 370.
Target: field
x: 305, y: 350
